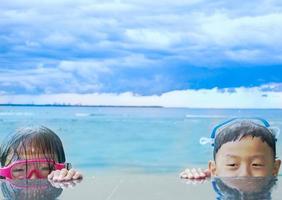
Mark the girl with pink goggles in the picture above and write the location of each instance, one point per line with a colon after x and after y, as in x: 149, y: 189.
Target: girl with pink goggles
x: 33, y: 153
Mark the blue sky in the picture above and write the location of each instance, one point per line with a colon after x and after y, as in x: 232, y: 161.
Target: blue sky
x: 142, y: 48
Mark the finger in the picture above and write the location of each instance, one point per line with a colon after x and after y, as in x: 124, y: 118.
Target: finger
x: 56, y: 175
x: 190, y: 174
x: 201, y: 173
x: 195, y: 173
x: 187, y: 170
x: 69, y: 175
x: 77, y: 176
x: 63, y: 174
x: 183, y: 175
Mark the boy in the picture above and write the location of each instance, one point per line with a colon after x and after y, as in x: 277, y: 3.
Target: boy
x: 241, y: 148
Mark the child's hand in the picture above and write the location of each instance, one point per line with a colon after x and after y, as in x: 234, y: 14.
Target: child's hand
x: 64, y: 175
x: 195, y: 174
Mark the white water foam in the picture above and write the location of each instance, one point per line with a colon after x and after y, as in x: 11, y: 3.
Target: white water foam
x: 15, y: 114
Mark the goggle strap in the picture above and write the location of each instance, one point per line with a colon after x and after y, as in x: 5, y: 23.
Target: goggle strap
x: 205, y: 140
x: 68, y: 166
x: 265, y: 123
x: 219, y: 125
x: 275, y: 131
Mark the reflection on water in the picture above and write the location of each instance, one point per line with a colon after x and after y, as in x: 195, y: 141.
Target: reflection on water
x: 243, y: 187
x: 144, y: 186
x: 29, y: 189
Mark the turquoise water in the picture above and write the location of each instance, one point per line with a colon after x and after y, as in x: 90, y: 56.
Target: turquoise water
x: 130, y: 139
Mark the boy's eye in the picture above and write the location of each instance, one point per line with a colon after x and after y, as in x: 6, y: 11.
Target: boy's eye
x: 231, y: 165
x: 257, y: 165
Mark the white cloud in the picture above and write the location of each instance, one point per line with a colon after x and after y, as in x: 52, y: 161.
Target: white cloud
x: 242, y: 98
x: 77, y: 76
x: 84, y: 67
x: 52, y: 80
x: 108, y: 7
x: 195, y: 30
x: 245, y: 55
x: 229, y: 31
x: 156, y: 39
x: 275, y: 87
x: 79, y: 43
x: 58, y: 39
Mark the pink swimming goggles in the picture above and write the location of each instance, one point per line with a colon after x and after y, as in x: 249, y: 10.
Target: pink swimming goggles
x: 24, y: 169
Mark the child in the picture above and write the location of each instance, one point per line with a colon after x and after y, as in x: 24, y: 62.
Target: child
x: 34, y: 153
x: 241, y: 148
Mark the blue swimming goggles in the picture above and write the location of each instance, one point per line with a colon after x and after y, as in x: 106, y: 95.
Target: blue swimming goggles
x: 204, y: 140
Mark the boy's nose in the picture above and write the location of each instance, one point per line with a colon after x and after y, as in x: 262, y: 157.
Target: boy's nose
x: 245, y: 171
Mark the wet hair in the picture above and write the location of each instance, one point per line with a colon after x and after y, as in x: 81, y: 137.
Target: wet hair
x: 40, y: 139
x: 241, y: 129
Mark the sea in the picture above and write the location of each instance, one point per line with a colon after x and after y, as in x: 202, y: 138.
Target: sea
x: 134, y: 152
x: 131, y: 139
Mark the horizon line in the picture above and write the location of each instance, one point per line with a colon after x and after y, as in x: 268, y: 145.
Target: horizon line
x: 127, y: 106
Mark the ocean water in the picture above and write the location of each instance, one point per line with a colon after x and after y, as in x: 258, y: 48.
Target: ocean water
x: 130, y: 139
x: 133, y: 152
x: 140, y: 187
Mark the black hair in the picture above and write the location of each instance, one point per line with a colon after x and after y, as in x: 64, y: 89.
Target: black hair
x: 243, y: 128
x: 41, y: 138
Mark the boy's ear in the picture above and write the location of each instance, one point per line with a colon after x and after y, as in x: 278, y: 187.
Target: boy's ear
x: 212, y: 167
x: 276, y: 168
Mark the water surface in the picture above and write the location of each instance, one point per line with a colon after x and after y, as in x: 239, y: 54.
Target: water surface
x: 133, y: 153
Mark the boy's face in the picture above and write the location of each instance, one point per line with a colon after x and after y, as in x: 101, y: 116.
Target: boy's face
x: 249, y: 156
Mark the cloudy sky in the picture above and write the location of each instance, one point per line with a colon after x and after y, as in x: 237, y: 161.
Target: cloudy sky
x: 187, y: 53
